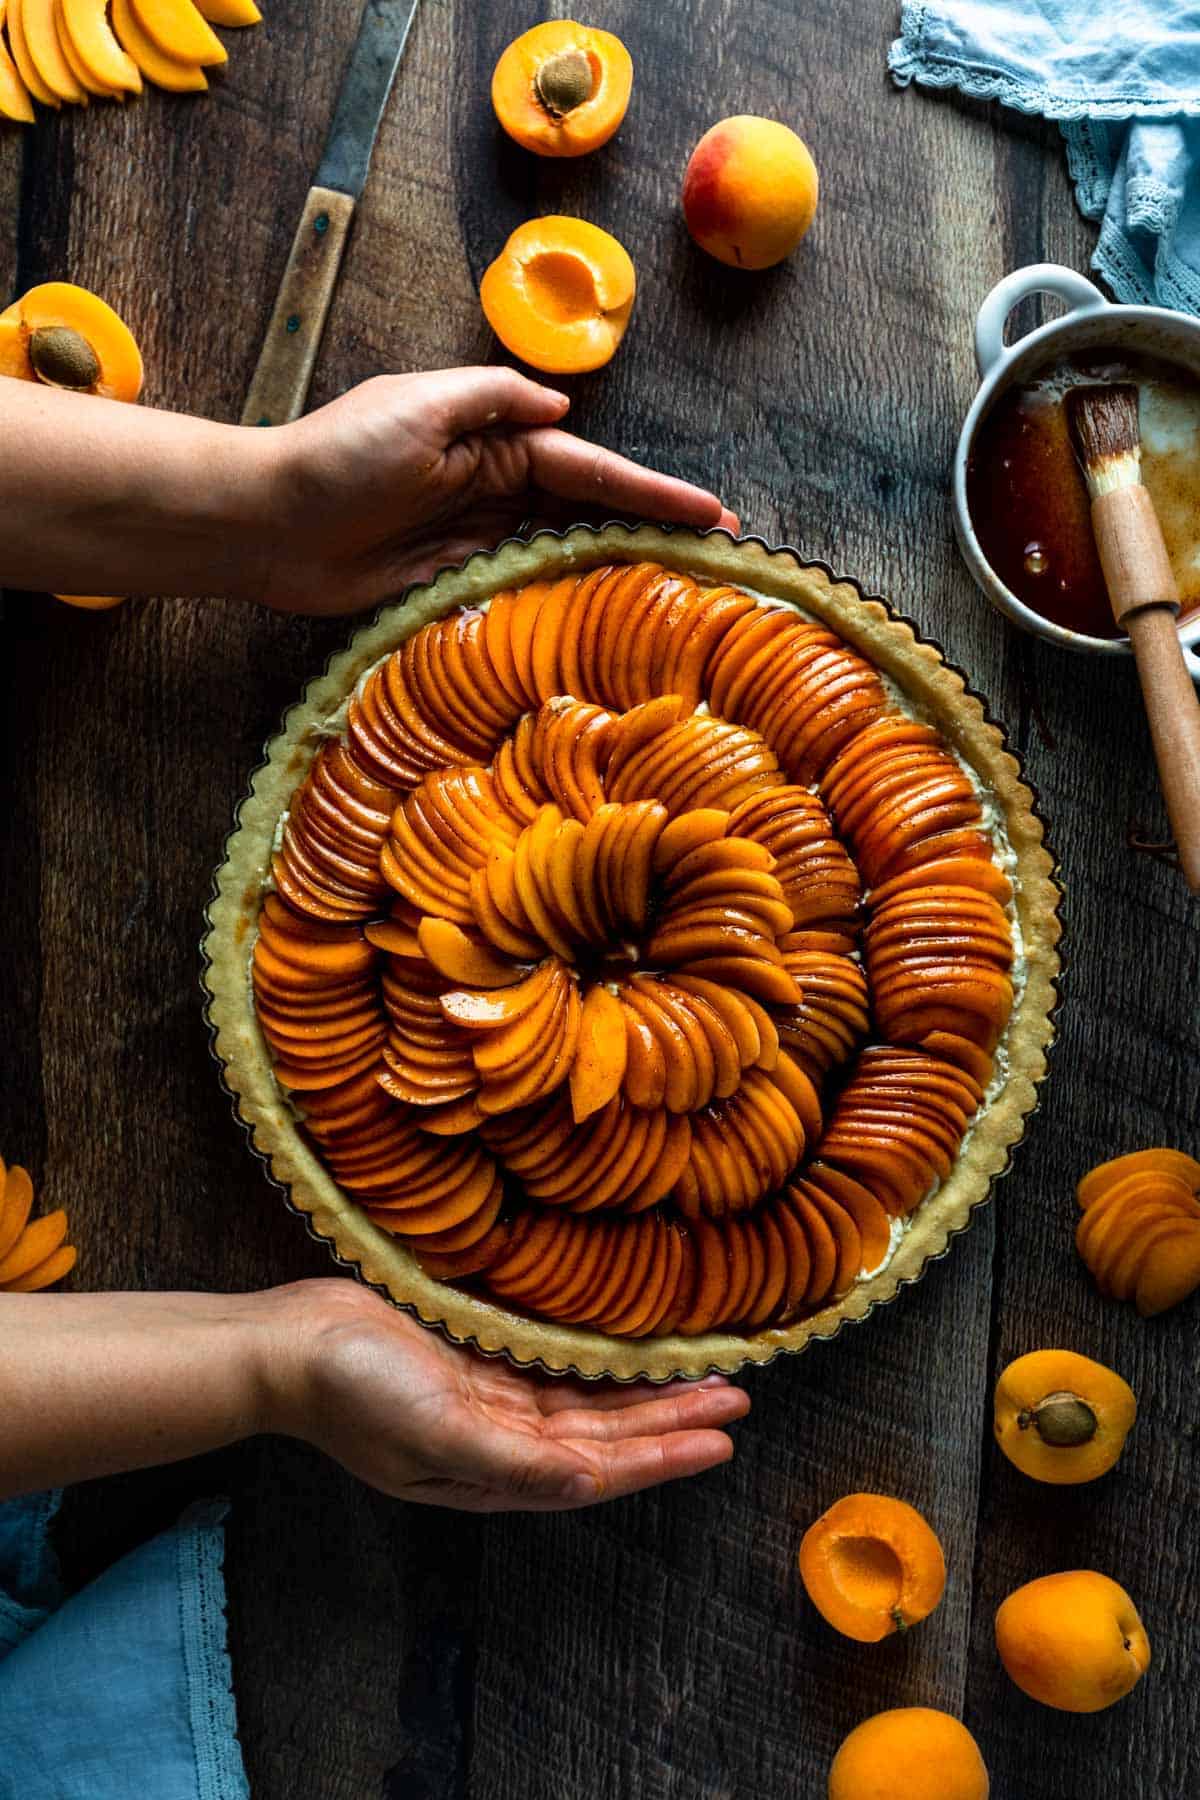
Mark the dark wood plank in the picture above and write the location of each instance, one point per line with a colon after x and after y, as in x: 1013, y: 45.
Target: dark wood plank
x: 662, y: 1647
x: 1127, y: 1075
x: 668, y: 1648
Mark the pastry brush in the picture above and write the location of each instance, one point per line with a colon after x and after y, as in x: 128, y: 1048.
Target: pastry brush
x: 1103, y: 422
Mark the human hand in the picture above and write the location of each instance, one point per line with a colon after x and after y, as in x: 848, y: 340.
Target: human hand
x: 408, y: 473
x: 423, y: 1420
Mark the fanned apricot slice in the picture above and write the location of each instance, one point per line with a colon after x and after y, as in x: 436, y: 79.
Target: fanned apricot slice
x: 15, y: 104
x: 86, y: 23
x: 179, y: 30
x: 559, y: 295
x: 562, y: 89
x: 164, y: 71
x: 41, y: 37
x: 230, y: 12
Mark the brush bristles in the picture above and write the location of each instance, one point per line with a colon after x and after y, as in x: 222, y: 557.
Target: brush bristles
x: 1103, y: 422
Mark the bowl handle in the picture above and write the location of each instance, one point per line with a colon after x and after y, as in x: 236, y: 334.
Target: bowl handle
x: 1080, y: 294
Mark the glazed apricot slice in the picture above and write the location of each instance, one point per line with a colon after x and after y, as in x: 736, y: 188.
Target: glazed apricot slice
x: 562, y: 89
x: 872, y: 1566
x: 15, y: 104
x: 559, y: 295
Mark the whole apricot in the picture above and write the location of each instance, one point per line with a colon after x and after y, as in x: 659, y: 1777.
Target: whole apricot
x: 912, y: 1753
x: 1062, y: 1418
x: 750, y: 192
x: 1072, y: 1641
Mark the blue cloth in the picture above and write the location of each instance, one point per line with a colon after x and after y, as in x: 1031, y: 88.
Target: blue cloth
x: 1123, y: 80
x: 123, y: 1689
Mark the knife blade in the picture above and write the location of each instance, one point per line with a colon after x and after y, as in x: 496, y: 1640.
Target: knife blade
x: 279, y: 388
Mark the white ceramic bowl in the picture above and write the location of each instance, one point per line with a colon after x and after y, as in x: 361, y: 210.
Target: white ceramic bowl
x: 1090, y: 322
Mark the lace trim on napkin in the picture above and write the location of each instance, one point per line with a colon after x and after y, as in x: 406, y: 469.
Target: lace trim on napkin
x: 1159, y: 278
x: 211, y: 1709
x: 911, y: 59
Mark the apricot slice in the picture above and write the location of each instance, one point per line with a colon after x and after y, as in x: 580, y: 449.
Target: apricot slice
x: 562, y: 89
x: 86, y: 23
x: 41, y: 37
x: 872, y: 1566
x: 27, y: 69
x: 559, y: 295
x: 1072, y: 1641
x: 179, y: 30
x: 164, y: 71
x: 15, y: 104
x: 230, y: 12
x: 599, y: 1066
x: 910, y: 1753
x: 16, y: 1204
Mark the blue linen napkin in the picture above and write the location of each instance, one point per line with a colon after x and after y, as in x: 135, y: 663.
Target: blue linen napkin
x: 124, y: 1688
x: 1123, y: 80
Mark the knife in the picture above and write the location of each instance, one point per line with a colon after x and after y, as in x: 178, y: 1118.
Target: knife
x: 279, y: 389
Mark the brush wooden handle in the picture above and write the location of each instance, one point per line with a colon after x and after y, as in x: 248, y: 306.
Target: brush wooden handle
x: 1137, y: 569
x: 1145, y: 600
x: 1173, y: 713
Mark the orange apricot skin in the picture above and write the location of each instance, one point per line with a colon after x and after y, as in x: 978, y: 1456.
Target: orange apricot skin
x: 910, y: 1753
x: 560, y: 295
x: 749, y: 192
x: 587, y: 126
x: 872, y: 1566
x: 1033, y: 1378
x: 1072, y: 1641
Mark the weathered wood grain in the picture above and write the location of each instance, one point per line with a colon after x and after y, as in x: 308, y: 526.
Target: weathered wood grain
x: 661, y: 1648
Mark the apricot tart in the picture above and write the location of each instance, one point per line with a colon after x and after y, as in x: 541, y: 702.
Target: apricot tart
x: 637, y: 953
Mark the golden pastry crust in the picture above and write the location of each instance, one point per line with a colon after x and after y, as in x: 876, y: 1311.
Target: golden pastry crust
x: 930, y: 688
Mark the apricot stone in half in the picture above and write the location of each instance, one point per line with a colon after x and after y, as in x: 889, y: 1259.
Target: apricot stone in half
x: 559, y: 295
x: 562, y: 88
x: 911, y: 1753
x: 1072, y: 1641
x: 1062, y: 1418
x: 750, y: 192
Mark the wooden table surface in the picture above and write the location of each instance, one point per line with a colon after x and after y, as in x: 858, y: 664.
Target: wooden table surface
x: 660, y: 1647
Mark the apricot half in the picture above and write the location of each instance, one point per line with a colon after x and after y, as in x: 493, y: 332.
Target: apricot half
x: 562, y: 89
x: 67, y: 337
x: 750, y: 192
x: 911, y: 1753
x: 559, y: 295
x: 872, y: 1566
x: 1072, y: 1641
x: 1062, y: 1418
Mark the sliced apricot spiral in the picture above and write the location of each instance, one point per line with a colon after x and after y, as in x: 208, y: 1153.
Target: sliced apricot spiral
x: 584, y: 929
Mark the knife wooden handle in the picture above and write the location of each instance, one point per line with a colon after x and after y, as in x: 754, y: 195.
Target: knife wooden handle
x: 281, y: 381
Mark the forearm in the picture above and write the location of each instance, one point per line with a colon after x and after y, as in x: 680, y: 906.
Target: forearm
x: 91, y: 1384
x: 105, y: 498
